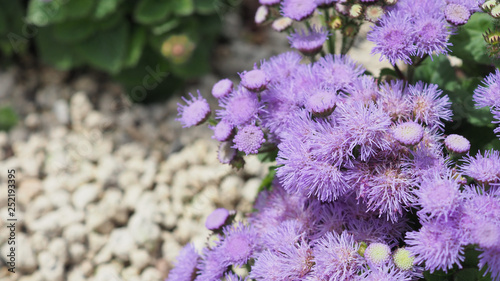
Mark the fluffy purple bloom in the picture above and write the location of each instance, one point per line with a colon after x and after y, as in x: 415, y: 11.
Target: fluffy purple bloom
x: 486, y: 233
x: 496, y: 116
x: 233, y: 277
x: 393, y: 37
x: 298, y: 9
x: 337, y: 71
x: 428, y: 106
x: 286, y: 234
x: 490, y: 258
x: 254, y: 80
x: 408, y: 133
x: 438, y: 197
x: 223, y: 131
x: 241, y: 107
x: 217, y: 219
x: 322, y: 102
x: 279, y: 68
x: 363, y: 90
x: 394, y: 100
x: 212, y: 265
x: 249, y: 139
x: 309, y: 42
x: 457, y: 143
x: 437, y: 244
x: 336, y: 257
x: 366, y: 126
x: 269, y: 2
x: 185, y: 267
x: 431, y: 36
x: 195, y: 112
x: 292, y: 263
x: 385, y: 272
x: 489, y: 94
x: 484, y: 169
x: 222, y: 88
x: 456, y: 14
x: 238, y: 244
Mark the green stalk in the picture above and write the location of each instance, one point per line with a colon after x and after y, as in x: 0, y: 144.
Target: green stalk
x: 331, y: 39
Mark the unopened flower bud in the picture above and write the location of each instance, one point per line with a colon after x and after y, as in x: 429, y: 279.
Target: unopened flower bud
x: 373, y: 13
x: 282, y: 24
x: 336, y: 23
x: 488, y: 5
x: 355, y: 11
x: 495, y: 12
x: 457, y: 144
x: 403, y: 259
x: 261, y: 14
x: 391, y: 2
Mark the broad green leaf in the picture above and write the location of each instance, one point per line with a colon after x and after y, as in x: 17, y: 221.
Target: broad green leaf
x: 42, y: 13
x: 269, y: 156
x: 76, y: 9
x: 183, y: 7
x: 152, y: 11
x: 105, y: 50
x: 73, y: 31
x: 268, y: 180
x: 437, y: 71
x: 388, y: 72
x: 52, y: 52
x: 165, y: 27
x: 8, y: 118
x: 135, y: 46
x: 205, y: 7
x: 105, y: 8
x: 468, y: 43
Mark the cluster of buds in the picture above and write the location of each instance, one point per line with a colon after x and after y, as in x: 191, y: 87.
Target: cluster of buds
x: 492, y: 38
x: 369, y: 10
x: 491, y: 7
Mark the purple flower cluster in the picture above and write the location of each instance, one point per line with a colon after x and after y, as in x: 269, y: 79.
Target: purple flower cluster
x: 489, y: 95
x: 414, y: 28
x: 354, y: 158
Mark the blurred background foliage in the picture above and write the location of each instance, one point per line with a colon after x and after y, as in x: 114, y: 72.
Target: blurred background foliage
x: 128, y: 39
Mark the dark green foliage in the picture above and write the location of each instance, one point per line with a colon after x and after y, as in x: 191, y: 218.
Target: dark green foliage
x: 8, y: 118
x: 119, y: 37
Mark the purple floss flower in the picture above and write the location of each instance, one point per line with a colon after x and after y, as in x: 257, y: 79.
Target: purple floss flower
x: 222, y: 88
x: 279, y: 68
x: 457, y: 14
x: 490, y: 259
x: 212, y: 266
x: 254, y: 80
x: 408, y: 133
x: 337, y: 71
x: 293, y: 262
x: 437, y: 244
x: 393, y: 100
x: 223, y: 131
x: 238, y: 244
x: 309, y: 42
x: 241, y: 107
x: 389, y: 191
x: 283, y: 235
x: 280, y: 112
x: 226, y: 153
x: 486, y: 234
x: 233, y: 277
x: 431, y: 36
x: 217, y: 219
x: 393, y: 37
x: 363, y: 90
x: 489, y: 94
x: 439, y: 197
x: 424, y: 161
x: 483, y: 169
x: 366, y: 126
x: 336, y: 257
x: 428, y: 106
x: 195, y: 112
x: 385, y: 272
x: 330, y: 218
x: 457, y: 144
x: 322, y: 102
x: 185, y: 267
x: 249, y: 139
x: 298, y: 9
x: 496, y: 116
x: 269, y: 2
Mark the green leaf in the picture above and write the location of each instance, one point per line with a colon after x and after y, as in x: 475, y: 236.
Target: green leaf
x: 469, y: 274
x: 468, y: 43
x: 388, y: 72
x: 205, y: 7
x: 152, y: 11
x: 105, y: 8
x: 268, y: 180
x: 76, y: 9
x: 8, y: 118
x: 135, y: 46
x: 166, y: 26
x: 437, y: 71
x: 73, y: 31
x: 269, y: 156
x: 57, y: 54
x: 42, y: 13
x: 105, y: 50
x: 183, y: 7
